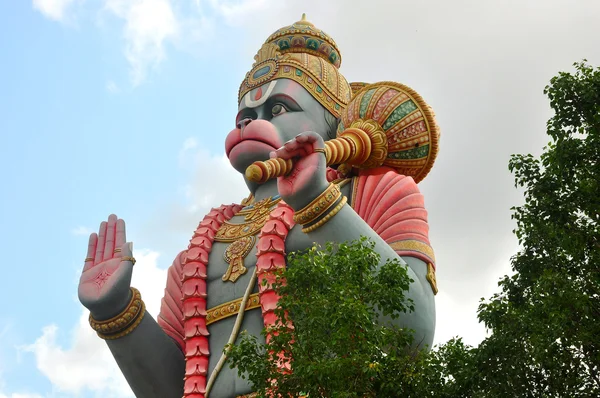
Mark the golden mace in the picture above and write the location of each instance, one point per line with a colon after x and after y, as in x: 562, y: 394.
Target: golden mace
x: 363, y: 145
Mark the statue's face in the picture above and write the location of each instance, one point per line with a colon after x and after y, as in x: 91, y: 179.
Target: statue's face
x: 271, y: 115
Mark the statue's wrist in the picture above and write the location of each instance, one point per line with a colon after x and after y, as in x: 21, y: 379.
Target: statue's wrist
x: 302, y: 198
x: 124, y: 322
x: 108, y: 310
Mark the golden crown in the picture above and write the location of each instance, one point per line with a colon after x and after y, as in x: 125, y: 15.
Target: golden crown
x: 303, y: 37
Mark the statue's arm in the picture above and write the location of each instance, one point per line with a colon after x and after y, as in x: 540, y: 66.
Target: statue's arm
x: 151, y: 361
x: 150, y: 357
x: 389, y: 210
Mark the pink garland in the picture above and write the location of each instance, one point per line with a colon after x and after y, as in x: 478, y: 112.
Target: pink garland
x: 270, y: 257
x: 194, y: 300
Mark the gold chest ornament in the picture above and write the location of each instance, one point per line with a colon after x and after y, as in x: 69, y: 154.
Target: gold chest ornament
x: 242, y: 236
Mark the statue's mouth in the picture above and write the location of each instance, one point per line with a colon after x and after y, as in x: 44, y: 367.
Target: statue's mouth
x: 252, y: 139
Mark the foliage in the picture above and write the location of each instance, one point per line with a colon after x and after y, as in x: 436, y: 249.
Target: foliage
x: 546, y: 334
x: 342, y: 343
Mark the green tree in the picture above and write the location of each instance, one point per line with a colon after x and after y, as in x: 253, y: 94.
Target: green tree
x: 342, y: 343
x: 545, y: 325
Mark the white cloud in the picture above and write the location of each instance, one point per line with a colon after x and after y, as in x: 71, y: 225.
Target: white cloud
x: 112, y: 87
x: 87, y: 365
x: 148, y: 25
x: 227, y: 185
x: 211, y: 182
x: 81, y: 231
x: 188, y: 145
x: 18, y: 395
x: 236, y: 11
x: 53, y: 9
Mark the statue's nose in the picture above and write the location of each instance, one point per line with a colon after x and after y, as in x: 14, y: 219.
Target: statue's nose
x: 243, y: 123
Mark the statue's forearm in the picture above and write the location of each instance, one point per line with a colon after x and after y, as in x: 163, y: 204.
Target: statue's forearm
x: 150, y: 361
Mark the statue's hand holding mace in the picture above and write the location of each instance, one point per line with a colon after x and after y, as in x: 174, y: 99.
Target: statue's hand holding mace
x: 364, y: 145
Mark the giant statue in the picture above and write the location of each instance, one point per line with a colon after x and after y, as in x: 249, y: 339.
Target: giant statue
x: 324, y: 160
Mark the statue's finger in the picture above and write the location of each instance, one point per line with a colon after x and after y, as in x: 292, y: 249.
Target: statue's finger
x: 91, y: 252
x: 292, y: 145
x: 302, y: 138
x: 127, y: 253
x: 120, y: 237
x: 109, y: 243
x: 100, y: 245
x: 314, y: 139
x: 291, y: 149
x: 290, y: 153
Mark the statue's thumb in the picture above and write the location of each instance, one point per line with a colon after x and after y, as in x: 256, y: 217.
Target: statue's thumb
x: 127, y: 249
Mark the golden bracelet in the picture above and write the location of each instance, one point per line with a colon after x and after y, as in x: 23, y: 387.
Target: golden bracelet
x: 327, y: 217
x: 124, y: 319
x: 318, y: 206
x: 128, y: 329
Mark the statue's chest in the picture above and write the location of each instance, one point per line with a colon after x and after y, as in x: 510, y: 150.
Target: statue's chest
x: 232, y: 259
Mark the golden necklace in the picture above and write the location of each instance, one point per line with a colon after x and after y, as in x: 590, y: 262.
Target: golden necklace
x: 242, y: 236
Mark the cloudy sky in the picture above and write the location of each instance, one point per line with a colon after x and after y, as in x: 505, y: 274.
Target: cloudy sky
x: 123, y: 105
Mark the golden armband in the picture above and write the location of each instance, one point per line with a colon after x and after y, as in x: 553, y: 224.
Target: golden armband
x: 124, y: 323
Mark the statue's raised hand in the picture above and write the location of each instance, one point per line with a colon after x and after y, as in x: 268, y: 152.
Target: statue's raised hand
x: 308, y: 178
x: 106, y: 277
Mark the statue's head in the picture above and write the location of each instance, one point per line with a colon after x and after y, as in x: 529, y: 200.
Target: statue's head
x: 294, y: 86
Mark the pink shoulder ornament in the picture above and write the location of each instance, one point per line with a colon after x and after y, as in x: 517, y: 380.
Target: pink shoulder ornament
x: 394, y: 207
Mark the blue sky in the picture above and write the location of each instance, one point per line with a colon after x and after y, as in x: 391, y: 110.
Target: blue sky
x: 122, y: 106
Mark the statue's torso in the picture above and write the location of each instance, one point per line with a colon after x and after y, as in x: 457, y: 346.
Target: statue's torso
x: 228, y: 384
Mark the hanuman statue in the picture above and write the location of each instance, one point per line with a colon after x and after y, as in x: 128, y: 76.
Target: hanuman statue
x: 324, y: 160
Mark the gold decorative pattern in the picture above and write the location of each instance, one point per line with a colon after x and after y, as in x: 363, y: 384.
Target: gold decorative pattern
x: 318, y: 206
x: 407, y: 121
x: 414, y: 245
x: 230, y: 308
x: 355, y: 182
x: 327, y: 217
x: 357, y: 86
x: 234, y: 256
x: 303, y: 36
x: 431, y: 278
x: 255, y: 216
x: 267, y: 52
x: 379, y: 147
x: 125, y: 322
x: 321, y: 79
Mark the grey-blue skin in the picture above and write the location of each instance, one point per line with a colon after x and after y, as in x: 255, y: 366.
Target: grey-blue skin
x: 152, y: 362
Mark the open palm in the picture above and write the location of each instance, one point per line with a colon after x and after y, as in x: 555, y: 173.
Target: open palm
x: 106, y: 277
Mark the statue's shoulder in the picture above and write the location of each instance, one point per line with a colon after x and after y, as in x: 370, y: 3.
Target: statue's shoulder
x: 393, y: 206
x: 380, y: 188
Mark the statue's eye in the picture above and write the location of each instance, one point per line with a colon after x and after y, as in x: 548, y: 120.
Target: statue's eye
x: 278, y: 109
